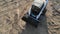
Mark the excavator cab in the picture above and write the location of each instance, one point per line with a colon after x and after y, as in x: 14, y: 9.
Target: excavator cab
x: 35, y: 10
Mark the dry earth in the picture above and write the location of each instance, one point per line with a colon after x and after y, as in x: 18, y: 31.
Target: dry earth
x: 11, y: 12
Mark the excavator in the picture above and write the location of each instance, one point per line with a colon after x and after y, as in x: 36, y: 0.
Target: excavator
x: 37, y: 9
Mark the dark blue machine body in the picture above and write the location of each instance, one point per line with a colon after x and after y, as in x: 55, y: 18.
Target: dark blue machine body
x: 33, y: 18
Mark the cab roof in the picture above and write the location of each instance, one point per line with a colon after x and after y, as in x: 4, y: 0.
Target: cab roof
x: 38, y: 3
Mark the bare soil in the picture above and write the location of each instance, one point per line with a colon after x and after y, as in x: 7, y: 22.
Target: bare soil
x: 11, y: 12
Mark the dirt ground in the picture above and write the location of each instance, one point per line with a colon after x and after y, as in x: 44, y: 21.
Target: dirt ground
x: 11, y: 12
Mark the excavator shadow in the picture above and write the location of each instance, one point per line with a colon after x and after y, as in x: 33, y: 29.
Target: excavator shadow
x: 41, y: 29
